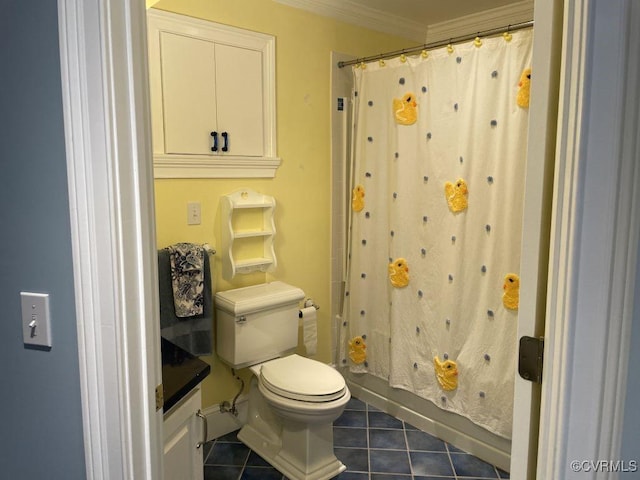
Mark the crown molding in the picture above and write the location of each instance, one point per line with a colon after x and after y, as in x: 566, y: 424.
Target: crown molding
x: 356, y: 14
x: 477, y: 22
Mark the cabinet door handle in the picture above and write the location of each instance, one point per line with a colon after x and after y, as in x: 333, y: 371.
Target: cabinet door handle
x: 225, y: 147
x: 200, y: 415
x: 215, y: 141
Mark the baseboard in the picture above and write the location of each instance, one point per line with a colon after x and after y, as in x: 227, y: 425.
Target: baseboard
x: 220, y: 423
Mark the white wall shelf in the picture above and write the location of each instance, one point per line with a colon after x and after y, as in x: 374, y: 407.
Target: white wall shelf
x: 248, y: 230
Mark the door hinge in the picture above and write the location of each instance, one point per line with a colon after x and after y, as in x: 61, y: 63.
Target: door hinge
x: 159, y: 397
x: 530, y: 358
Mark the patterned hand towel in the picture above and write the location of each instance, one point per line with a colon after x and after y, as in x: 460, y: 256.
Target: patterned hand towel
x: 187, y: 278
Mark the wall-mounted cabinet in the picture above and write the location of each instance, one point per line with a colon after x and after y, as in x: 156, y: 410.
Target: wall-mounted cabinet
x: 212, y: 98
x: 248, y: 230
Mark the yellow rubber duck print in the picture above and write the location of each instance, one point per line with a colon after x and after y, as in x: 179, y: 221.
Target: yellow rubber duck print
x: 524, y: 89
x: 405, y: 109
x: 357, y: 350
x: 456, y: 194
x: 446, y: 373
x: 511, y: 295
x: 399, y: 273
x: 357, y: 198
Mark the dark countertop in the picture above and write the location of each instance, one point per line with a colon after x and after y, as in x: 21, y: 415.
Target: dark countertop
x: 181, y: 373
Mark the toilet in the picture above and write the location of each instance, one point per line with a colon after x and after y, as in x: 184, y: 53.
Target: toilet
x: 293, y: 400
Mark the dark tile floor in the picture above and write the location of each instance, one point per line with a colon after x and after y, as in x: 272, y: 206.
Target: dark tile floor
x: 373, y: 446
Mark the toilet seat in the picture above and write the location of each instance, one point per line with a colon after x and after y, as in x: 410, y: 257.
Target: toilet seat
x: 302, y: 379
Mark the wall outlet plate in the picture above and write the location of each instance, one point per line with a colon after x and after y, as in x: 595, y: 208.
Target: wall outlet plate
x: 36, y: 320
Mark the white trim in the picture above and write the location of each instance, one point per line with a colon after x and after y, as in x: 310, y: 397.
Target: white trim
x: 107, y: 132
x: 594, y: 240
x: 206, y: 166
x: 627, y: 238
x: 535, y: 229
x: 499, y: 17
x: 367, y: 17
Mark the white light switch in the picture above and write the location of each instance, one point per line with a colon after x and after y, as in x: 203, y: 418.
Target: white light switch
x: 36, y: 326
x: 193, y: 213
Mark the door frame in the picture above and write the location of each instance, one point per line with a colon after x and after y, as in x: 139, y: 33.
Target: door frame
x: 594, y: 240
x: 107, y: 129
x: 103, y: 59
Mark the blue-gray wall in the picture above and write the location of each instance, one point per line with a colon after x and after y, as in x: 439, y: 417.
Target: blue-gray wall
x: 40, y: 409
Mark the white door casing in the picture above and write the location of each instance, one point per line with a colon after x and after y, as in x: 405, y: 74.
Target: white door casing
x: 594, y: 241
x: 109, y: 163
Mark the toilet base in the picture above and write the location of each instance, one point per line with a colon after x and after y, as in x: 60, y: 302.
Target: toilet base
x: 299, y: 450
x: 304, y: 454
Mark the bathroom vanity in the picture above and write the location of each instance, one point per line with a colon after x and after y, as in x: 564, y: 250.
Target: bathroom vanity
x: 185, y: 427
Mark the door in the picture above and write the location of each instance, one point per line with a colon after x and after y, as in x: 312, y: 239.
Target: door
x: 535, y: 232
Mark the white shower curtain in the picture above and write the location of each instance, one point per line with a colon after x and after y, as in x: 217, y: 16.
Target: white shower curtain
x: 434, y: 250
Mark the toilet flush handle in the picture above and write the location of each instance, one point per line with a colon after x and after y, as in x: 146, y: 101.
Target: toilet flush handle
x: 241, y: 319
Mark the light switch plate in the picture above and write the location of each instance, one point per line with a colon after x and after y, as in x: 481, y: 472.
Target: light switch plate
x: 36, y: 321
x: 193, y: 213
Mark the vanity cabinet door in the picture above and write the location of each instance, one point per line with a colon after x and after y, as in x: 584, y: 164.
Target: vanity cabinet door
x: 183, y: 432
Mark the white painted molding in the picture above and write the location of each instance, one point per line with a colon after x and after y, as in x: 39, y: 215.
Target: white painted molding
x: 626, y: 244
x: 594, y: 240
x: 203, y: 166
x: 107, y: 138
x: 534, y: 253
x: 510, y: 14
x: 356, y: 14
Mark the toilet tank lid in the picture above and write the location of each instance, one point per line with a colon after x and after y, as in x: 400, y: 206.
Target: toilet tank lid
x: 246, y: 300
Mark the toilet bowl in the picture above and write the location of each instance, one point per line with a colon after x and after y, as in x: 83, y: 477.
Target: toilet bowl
x: 293, y: 400
x: 289, y: 425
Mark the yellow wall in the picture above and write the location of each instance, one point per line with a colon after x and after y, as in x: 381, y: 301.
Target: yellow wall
x: 302, y: 186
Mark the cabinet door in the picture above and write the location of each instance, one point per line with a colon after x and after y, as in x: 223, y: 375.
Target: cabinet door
x: 182, y: 432
x: 239, y: 95
x: 188, y: 93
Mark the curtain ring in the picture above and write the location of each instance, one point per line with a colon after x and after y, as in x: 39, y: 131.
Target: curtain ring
x: 507, y: 35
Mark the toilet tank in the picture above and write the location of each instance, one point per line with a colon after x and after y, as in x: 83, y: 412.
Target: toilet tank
x: 255, y: 324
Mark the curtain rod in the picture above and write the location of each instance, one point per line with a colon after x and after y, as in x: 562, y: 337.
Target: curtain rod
x: 441, y: 43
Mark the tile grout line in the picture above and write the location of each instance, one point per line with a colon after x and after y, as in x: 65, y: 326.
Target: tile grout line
x: 406, y: 443
x: 366, y: 405
x: 453, y: 468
